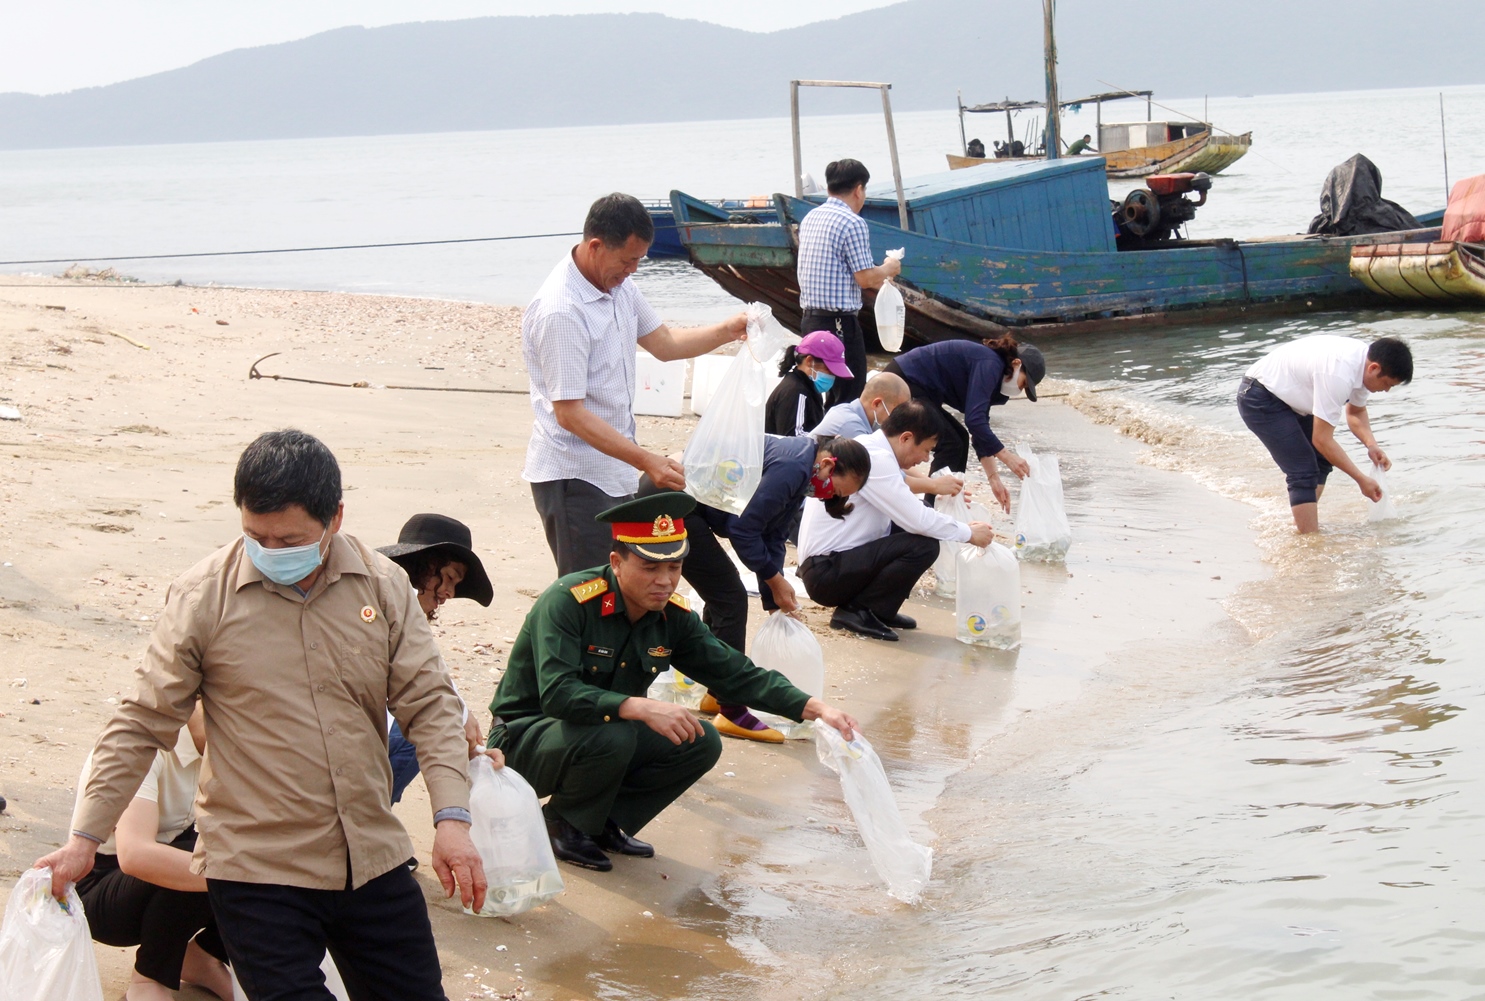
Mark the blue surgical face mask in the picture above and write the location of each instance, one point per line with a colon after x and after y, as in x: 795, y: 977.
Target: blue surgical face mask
x: 285, y: 566
x: 823, y: 381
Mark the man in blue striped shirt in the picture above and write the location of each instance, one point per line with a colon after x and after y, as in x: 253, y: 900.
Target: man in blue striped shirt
x: 835, y: 264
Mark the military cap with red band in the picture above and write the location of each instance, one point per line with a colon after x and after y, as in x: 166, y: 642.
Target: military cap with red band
x: 653, y: 527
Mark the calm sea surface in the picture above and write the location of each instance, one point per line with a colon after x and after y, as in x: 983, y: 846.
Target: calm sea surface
x: 1288, y: 807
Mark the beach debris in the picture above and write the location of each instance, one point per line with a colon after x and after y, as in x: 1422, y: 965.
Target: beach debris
x: 647, y: 914
x: 18, y: 683
x: 125, y: 337
x: 3, y: 804
x: 221, y: 323
x: 500, y: 948
x: 138, y: 429
x: 253, y: 373
x: 59, y: 308
x: 9, y: 413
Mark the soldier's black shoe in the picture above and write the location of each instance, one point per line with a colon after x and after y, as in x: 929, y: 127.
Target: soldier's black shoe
x: 571, y: 845
x: 898, y: 621
x: 861, y: 622
x: 614, y: 840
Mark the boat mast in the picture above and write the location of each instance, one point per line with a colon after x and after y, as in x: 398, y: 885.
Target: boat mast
x: 1054, y: 123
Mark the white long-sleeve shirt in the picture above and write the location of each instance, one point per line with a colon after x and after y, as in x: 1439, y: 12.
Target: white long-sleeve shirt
x: 885, y: 500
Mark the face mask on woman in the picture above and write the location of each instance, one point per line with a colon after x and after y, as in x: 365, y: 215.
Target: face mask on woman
x: 821, y: 489
x: 1011, y: 387
x: 823, y: 381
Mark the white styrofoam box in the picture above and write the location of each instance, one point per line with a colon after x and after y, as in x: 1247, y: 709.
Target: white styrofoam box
x: 706, y: 373
x: 659, y: 386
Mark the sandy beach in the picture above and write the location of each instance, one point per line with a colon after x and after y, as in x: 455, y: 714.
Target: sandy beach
x: 135, y: 403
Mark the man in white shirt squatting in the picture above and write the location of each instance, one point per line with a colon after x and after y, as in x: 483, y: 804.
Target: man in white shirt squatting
x: 858, y: 563
x: 1294, y: 397
x: 578, y: 339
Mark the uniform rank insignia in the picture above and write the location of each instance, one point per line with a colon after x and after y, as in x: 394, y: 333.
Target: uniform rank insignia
x: 658, y: 651
x: 589, y: 589
x: 610, y: 605
x: 680, y: 602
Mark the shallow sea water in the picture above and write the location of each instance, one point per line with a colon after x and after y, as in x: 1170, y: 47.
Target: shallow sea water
x: 1263, y: 786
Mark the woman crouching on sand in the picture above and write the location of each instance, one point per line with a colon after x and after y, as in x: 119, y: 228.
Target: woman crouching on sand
x: 142, y: 890
x: 436, y: 552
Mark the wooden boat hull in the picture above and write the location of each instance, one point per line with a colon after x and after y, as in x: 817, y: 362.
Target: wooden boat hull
x: 1206, y: 152
x: 955, y: 289
x: 1422, y: 272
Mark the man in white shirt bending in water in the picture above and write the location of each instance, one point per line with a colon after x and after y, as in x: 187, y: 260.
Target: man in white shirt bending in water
x: 1295, y: 397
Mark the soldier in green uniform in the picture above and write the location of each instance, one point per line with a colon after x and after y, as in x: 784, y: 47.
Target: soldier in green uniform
x: 571, y: 713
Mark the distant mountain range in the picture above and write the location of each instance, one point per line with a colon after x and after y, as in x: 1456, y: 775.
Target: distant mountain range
x: 518, y: 72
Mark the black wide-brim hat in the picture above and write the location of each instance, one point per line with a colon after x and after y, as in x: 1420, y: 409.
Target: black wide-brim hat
x: 445, y: 534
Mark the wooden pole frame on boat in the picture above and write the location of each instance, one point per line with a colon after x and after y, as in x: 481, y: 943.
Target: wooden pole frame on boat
x: 794, y: 85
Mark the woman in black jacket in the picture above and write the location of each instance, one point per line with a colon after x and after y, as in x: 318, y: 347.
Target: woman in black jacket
x: 809, y: 369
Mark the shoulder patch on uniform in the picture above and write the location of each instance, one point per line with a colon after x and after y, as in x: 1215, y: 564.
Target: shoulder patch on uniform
x: 589, y: 589
x: 680, y: 602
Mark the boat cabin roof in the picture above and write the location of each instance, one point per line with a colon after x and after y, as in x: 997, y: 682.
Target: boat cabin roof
x: 952, y: 185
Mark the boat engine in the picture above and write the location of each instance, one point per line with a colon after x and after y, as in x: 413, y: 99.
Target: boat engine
x: 1153, y: 214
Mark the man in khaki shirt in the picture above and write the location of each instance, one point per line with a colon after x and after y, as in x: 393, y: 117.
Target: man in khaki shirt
x: 298, y: 640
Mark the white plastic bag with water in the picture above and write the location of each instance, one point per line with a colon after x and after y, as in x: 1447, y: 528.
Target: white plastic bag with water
x: 333, y: 982
x: 724, y: 458
x: 901, y: 862
x: 786, y: 645
x: 511, y: 837
x: 890, y: 312
x: 1042, y: 531
x: 671, y: 685
x: 987, y: 609
x: 945, y: 571
x: 46, y: 952
x: 1384, y: 509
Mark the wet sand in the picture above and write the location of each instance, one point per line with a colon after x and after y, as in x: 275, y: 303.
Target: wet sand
x: 118, y: 477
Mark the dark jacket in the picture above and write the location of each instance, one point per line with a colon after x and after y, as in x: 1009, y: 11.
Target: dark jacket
x: 759, y: 533
x: 784, y: 415
x: 965, y: 375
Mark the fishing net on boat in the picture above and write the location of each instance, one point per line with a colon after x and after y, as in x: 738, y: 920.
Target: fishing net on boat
x: 1351, y: 203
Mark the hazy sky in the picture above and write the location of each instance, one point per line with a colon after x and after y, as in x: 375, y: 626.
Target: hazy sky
x: 49, y: 45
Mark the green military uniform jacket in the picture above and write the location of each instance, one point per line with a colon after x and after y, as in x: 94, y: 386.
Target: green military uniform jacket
x: 577, y: 657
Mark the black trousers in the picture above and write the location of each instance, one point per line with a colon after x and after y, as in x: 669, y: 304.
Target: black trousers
x: 878, y: 576
x: 846, y: 326
x: 952, y: 450
x: 379, y: 936
x: 566, y: 508
x: 621, y: 771
x: 712, y: 573
x: 1289, y: 438
x: 124, y: 910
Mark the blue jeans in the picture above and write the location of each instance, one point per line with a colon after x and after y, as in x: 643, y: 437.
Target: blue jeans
x: 1288, y: 438
x: 404, y: 758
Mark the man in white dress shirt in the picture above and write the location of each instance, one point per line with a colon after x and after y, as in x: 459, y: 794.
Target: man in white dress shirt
x: 578, y: 338
x: 1294, y: 397
x: 858, y: 563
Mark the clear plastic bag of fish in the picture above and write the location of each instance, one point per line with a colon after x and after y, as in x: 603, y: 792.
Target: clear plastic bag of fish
x: 945, y: 572
x: 724, y: 458
x: 902, y: 863
x: 786, y: 645
x: 890, y: 312
x: 987, y: 607
x: 46, y: 951
x: 1042, y: 531
x: 671, y: 685
x: 1384, y: 509
x: 511, y: 836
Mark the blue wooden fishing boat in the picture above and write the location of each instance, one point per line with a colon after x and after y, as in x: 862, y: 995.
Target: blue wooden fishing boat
x: 667, y: 242
x: 1038, y: 247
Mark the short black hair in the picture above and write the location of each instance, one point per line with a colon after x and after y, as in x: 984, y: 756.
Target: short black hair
x: 288, y: 467
x: 425, y: 567
x: 615, y: 218
x: 914, y: 417
x: 1395, y: 357
x: 843, y: 176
